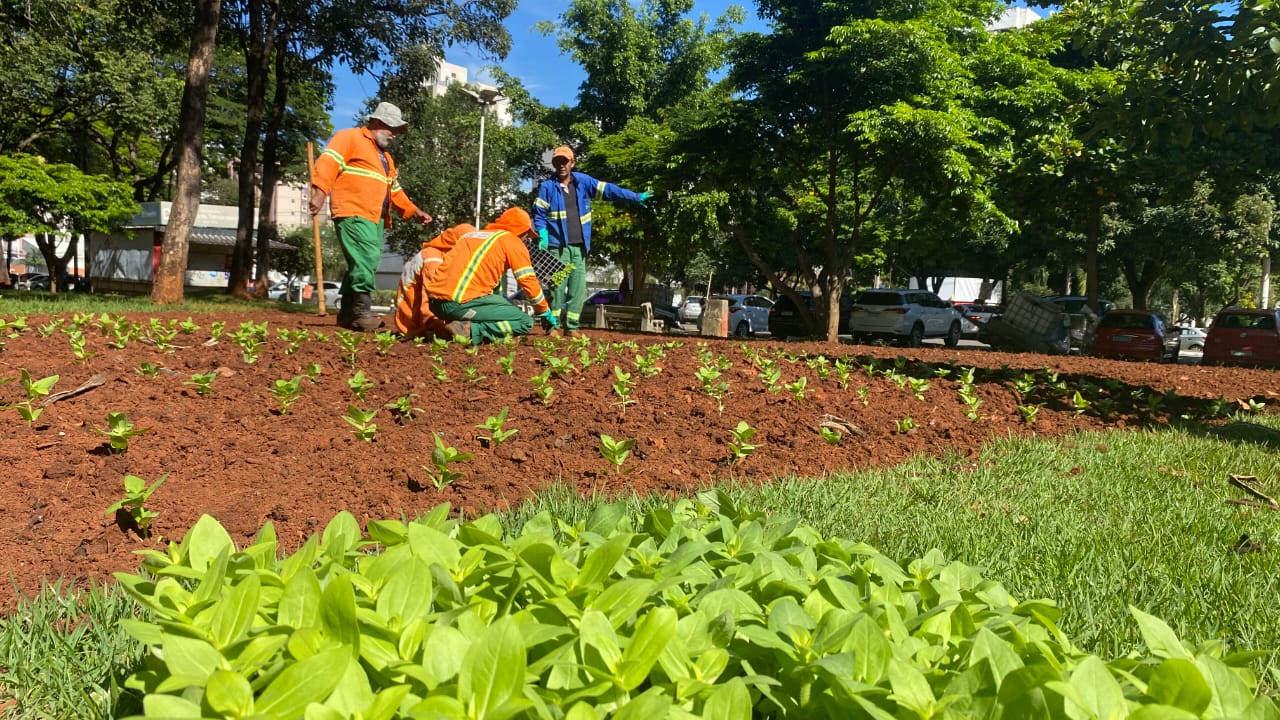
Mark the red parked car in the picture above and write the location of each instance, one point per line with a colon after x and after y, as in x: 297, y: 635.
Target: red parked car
x: 1137, y: 335
x: 1239, y: 336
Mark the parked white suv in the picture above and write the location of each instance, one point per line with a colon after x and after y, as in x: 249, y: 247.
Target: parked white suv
x: 903, y: 315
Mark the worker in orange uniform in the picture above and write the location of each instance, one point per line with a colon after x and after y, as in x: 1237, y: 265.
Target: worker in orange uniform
x: 463, y: 293
x: 413, y: 312
x: 358, y: 177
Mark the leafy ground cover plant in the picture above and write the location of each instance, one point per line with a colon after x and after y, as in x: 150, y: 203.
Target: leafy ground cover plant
x: 443, y: 458
x: 287, y: 392
x: 702, y: 609
x: 403, y: 408
x: 118, y: 431
x: 361, y: 422
x: 741, y: 445
x: 202, y: 382
x: 36, y: 390
x: 136, y: 494
x: 615, y: 451
x: 495, y: 425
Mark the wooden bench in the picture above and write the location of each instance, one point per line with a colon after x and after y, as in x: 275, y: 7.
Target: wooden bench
x: 638, y: 318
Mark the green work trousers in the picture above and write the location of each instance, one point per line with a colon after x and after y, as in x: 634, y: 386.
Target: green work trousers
x: 567, y: 297
x: 492, y: 317
x: 361, y: 242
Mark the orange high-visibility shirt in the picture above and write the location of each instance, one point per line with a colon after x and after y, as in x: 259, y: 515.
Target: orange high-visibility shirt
x: 350, y: 171
x: 476, y: 265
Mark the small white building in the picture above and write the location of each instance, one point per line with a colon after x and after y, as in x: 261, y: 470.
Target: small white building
x: 126, y: 261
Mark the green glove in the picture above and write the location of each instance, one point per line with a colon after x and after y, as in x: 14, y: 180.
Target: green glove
x: 645, y: 196
x: 549, y: 317
x: 542, y: 240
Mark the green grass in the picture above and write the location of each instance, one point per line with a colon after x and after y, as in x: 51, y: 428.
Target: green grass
x: 1096, y: 522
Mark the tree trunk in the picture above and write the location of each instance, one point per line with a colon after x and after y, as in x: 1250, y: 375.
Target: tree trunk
x: 166, y: 288
x: 1264, y: 294
x: 263, y: 15
x: 267, y: 227
x: 1093, y: 233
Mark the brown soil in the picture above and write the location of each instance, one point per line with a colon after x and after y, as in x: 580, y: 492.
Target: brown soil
x: 232, y: 454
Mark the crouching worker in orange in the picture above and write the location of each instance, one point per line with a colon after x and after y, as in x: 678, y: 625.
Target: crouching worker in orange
x: 462, y: 290
x: 413, y: 312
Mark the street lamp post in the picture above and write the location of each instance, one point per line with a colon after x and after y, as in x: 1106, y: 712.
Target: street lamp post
x: 485, y: 97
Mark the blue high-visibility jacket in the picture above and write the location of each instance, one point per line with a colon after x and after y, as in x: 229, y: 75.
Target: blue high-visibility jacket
x: 549, y: 207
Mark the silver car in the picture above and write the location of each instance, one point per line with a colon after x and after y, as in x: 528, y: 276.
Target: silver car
x: 903, y: 315
x: 690, y: 309
x: 748, y: 314
x: 1192, y: 339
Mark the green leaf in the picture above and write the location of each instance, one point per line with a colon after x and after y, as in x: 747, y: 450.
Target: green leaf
x: 1231, y: 694
x: 653, y: 703
x: 1159, y: 637
x: 340, y: 536
x: 1178, y: 682
x: 229, y: 693
x: 443, y: 660
x: 169, y: 706
x: 1161, y: 712
x: 309, y: 680
x: 191, y: 660
x: 621, y: 600
x: 599, y: 564
x: 407, y: 595
x: 233, y: 615
x: 910, y: 688
x: 604, y: 519
x: 433, y: 546
x: 493, y: 670
x: 871, y: 650
x: 1000, y: 656
x: 205, y: 541
x: 651, y: 636
x: 338, y: 613
x: 596, y: 632
x: 299, y: 606
x: 1098, y: 691
x: 730, y: 701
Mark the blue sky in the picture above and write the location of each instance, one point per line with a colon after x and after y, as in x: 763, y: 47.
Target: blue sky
x: 549, y: 76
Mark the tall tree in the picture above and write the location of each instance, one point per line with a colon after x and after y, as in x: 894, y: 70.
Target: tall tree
x: 57, y: 200
x: 170, y: 277
x: 93, y: 84
x: 845, y: 106
x: 360, y: 35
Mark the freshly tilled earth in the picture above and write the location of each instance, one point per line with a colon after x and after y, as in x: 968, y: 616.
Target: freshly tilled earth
x: 233, y: 453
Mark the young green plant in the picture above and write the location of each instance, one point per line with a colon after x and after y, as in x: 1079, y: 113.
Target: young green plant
x: 615, y: 451
x: 497, y: 434
x: 136, y: 494
x: 442, y: 459
x: 118, y: 431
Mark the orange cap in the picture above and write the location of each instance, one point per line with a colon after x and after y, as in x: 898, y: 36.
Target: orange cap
x: 514, y: 220
x: 563, y: 151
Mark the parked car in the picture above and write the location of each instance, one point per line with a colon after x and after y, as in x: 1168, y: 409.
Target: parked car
x: 33, y: 281
x: 331, y: 294
x: 976, y: 316
x: 1192, y: 339
x: 690, y: 309
x: 903, y: 315
x: 605, y: 297
x: 1136, y: 335
x: 289, y: 292
x: 1240, y: 336
x: 785, y: 321
x: 748, y: 314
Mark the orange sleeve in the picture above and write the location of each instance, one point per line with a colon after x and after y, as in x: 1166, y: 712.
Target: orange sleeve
x: 522, y: 267
x: 327, y: 166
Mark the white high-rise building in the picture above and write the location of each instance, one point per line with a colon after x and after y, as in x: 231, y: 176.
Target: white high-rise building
x: 448, y: 74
